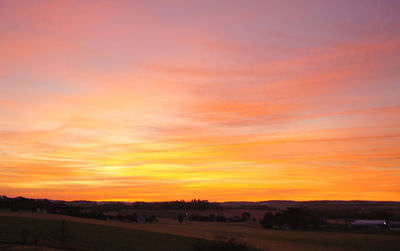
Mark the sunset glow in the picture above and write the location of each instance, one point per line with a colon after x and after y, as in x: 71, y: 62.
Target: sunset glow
x: 218, y: 100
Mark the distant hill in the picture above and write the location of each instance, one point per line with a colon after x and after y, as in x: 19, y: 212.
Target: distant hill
x: 81, y: 203
x: 278, y: 204
x: 320, y: 204
x: 262, y: 205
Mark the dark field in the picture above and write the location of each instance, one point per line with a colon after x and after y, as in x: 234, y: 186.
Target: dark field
x: 168, y: 234
x: 90, y: 236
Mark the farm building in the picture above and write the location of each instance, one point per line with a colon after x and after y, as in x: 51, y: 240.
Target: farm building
x: 394, y: 225
x: 141, y: 220
x: 41, y: 210
x: 370, y: 223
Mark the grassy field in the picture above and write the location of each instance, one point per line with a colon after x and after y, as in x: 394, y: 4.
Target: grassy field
x: 89, y: 236
x: 170, y: 235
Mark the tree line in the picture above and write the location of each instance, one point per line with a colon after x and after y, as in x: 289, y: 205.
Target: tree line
x: 303, y: 218
x: 97, y: 210
x: 169, y: 205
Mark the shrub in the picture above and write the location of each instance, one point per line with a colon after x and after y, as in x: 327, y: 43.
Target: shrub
x: 180, y: 219
x: 268, y: 220
x: 201, y: 218
x: 221, y: 218
x: 246, y: 216
x: 151, y: 219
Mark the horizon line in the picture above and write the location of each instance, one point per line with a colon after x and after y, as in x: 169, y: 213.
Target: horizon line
x: 241, y: 201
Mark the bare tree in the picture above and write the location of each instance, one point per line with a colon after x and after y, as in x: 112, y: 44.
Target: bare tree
x: 36, y: 236
x: 25, y: 235
x: 180, y: 219
x: 63, y: 233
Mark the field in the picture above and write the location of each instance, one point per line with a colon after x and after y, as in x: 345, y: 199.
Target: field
x: 86, y: 236
x: 168, y: 234
x: 172, y: 214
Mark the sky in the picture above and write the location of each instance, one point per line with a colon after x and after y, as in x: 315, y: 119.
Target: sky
x: 217, y: 100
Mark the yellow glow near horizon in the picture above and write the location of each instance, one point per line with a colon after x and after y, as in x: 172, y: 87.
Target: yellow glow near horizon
x: 213, y: 100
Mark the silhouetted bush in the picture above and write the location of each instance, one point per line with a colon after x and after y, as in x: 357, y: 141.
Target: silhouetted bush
x: 293, y: 218
x: 302, y: 218
x: 131, y: 217
x: 201, y: 218
x: 268, y: 220
x: 246, y: 216
x: 221, y: 218
x: 235, y: 218
x: 151, y: 219
x: 180, y: 219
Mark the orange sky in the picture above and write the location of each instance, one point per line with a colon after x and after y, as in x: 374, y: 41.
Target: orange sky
x: 218, y: 100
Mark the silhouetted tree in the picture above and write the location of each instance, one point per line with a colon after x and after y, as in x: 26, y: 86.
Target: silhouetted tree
x: 221, y: 218
x: 268, y: 220
x: 295, y: 217
x: 279, y: 220
x: 246, y: 216
x: 201, y: 218
x: 302, y: 218
x: 25, y: 235
x: 151, y: 219
x: 180, y: 219
x: 63, y: 233
x: 36, y: 236
x: 381, y: 214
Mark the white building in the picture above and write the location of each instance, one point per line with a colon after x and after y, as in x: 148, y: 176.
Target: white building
x: 370, y: 223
